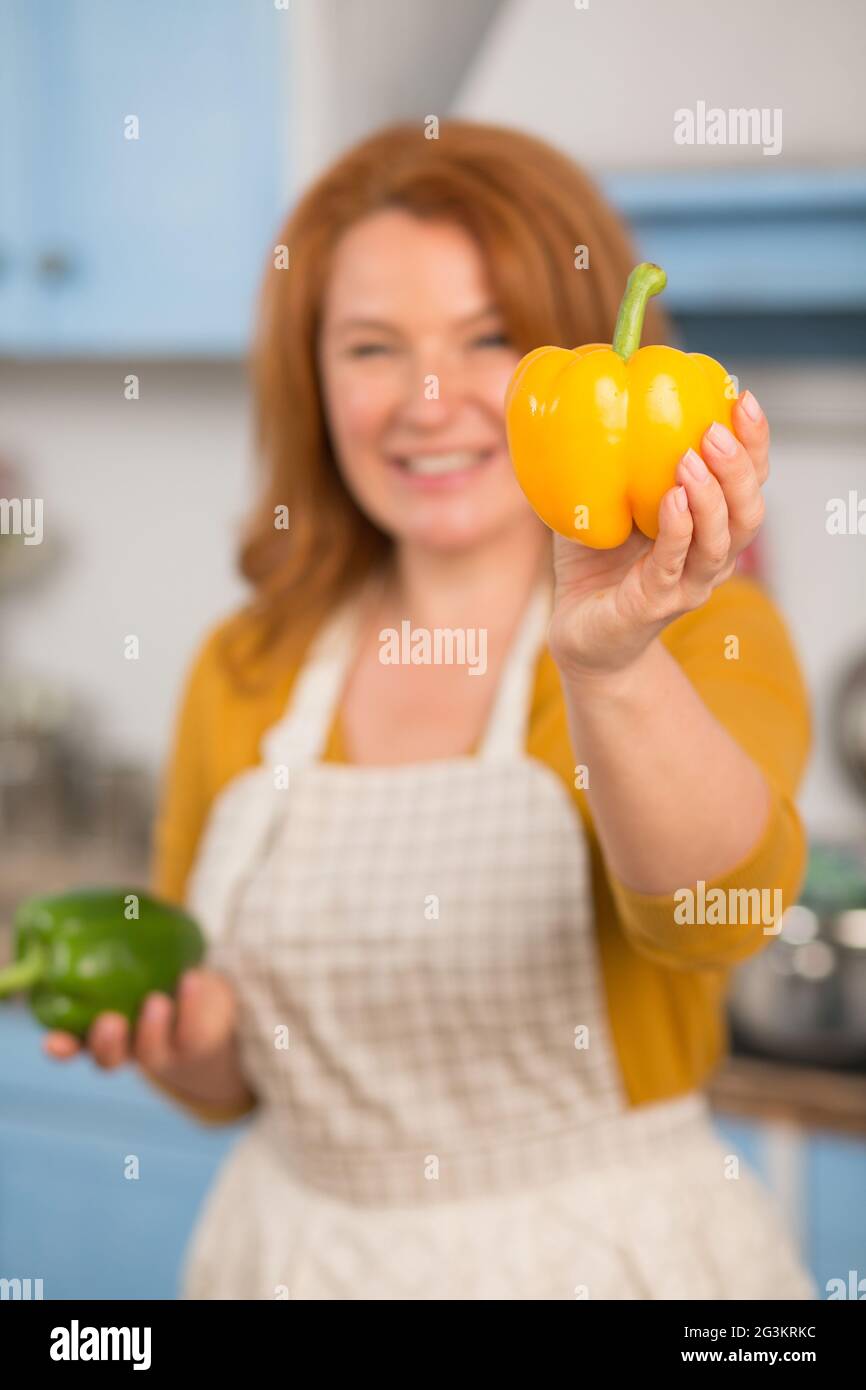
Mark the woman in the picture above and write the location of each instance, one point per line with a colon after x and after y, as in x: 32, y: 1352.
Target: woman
x: 446, y: 977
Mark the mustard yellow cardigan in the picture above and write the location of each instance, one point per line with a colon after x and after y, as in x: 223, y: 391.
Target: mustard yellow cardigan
x: 664, y: 982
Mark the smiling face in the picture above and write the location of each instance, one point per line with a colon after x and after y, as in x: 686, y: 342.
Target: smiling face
x: 414, y: 363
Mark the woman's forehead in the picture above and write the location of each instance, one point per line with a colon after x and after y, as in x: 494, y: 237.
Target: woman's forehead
x: 394, y: 259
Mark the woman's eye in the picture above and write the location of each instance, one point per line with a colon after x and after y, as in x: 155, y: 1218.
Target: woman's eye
x: 366, y: 349
x: 492, y: 340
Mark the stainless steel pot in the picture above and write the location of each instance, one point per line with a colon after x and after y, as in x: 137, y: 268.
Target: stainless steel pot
x: 803, y: 998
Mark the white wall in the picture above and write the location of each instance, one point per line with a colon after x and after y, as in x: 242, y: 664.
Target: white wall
x: 603, y: 82
x: 140, y: 503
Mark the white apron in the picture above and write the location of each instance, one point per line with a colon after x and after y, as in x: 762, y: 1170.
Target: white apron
x: 415, y: 957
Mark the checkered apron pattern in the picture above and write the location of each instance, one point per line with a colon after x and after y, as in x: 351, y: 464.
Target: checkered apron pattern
x: 422, y: 1015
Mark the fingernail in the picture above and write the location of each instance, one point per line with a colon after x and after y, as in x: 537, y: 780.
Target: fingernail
x: 696, y: 466
x: 750, y: 405
x: 152, y: 1006
x: 722, y: 438
x: 681, y: 499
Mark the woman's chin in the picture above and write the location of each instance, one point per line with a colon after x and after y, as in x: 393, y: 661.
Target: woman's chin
x: 451, y: 534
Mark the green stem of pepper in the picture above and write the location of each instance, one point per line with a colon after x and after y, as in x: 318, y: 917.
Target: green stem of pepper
x: 23, y: 973
x: 645, y: 280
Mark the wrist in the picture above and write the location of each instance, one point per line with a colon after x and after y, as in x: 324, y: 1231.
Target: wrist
x: 216, y: 1079
x: 622, y: 684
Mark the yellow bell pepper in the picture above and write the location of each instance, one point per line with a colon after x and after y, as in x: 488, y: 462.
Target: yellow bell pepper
x: 595, y: 433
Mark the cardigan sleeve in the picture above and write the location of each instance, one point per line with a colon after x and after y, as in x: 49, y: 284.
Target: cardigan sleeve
x: 187, y: 788
x: 738, y: 654
x: 186, y: 785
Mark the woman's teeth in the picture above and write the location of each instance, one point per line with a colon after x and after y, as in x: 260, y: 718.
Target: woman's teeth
x: 432, y: 464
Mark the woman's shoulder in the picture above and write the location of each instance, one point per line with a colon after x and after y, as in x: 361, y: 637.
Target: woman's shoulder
x: 740, y: 620
x: 741, y: 591
x: 741, y: 614
x: 232, y: 691
x: 740, y: 657
x: 236, y: 661
x: 739, y: 653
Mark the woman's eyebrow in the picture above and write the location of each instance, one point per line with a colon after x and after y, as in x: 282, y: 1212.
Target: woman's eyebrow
x: 366, y: 323
x: 382, y: 324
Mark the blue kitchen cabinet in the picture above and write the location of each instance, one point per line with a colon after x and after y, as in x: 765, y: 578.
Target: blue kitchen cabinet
x: 759, y: 264
x: 837, y: 1211
x: 745, y: 242
x: 154, y: 244
x: 830, y: 1199
x: 69, y: 1213
x: 17, y: 232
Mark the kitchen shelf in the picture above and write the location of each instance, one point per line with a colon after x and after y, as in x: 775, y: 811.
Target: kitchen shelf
x: 762, y: 264
x: 808, y: 1097
x: 753, y: 243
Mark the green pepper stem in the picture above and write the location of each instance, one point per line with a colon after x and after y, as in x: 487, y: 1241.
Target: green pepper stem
x: 23, y: 973
x: 645, y: 280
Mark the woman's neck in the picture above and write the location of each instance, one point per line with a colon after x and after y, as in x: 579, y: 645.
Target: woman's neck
x: 484, y: 586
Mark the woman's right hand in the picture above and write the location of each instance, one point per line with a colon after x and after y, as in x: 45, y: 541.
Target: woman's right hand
x: 188, y: 1043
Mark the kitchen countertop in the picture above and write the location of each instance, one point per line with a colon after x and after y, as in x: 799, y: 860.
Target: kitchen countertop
x: 27, y: 869
x: 757, y: 1088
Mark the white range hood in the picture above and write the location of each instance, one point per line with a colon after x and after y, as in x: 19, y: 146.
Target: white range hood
x: 603, y: 82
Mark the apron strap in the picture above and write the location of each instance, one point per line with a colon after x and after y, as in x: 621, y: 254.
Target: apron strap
x: 505, y: 735
x: 299, y: 737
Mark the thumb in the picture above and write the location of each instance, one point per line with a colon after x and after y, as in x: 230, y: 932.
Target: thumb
x: 207, y: 1011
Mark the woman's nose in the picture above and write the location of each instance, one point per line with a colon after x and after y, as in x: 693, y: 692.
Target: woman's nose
x: 435, y: 388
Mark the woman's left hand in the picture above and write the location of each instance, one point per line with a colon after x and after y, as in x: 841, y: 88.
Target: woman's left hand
x: 610, y: 604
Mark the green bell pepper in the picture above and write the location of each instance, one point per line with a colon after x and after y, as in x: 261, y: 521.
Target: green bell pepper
x: 83, y: 952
